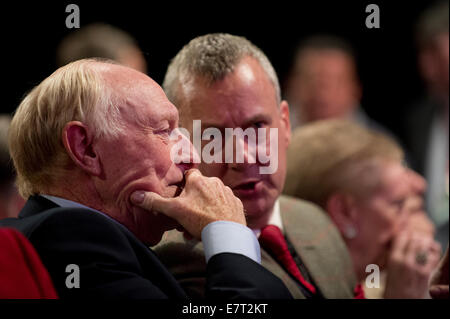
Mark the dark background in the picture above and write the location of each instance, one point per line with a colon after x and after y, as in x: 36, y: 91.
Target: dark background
x: 386, y: 56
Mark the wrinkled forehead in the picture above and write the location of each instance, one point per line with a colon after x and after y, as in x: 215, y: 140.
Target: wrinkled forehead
x: 139, y: 99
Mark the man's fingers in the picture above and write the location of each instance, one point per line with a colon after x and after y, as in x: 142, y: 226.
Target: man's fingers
x: 192, y: 171
x: 192, y: 177
x: 154, y: 202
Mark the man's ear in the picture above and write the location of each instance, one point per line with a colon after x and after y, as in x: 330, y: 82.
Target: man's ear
x: 284, y: 115
x: 342, y: 211
x: 78, y: 142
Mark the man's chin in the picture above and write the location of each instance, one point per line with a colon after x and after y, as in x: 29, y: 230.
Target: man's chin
x: 151, y: 239
x: 154, y: 239
x: 171, y: 191
x: 257, y: 206
x: 150, y: 227
x: 257, y: 213
x: 180, y: 228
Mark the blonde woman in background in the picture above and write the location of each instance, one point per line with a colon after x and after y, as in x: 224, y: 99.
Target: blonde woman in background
x: 357, y: 176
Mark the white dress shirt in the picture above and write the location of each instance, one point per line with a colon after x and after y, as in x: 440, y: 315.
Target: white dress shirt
x: 275, y: 219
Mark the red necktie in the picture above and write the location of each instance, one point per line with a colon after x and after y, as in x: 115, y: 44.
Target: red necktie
x: 273, y: 240
x: 359, y: 292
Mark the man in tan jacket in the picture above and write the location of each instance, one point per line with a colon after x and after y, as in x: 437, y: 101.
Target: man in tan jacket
x: 226, y: 82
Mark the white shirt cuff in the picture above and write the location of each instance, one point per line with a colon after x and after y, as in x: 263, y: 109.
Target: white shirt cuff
x: 230, y: 237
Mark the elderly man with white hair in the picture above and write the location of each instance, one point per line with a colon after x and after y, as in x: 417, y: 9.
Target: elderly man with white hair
x: 91, y: 146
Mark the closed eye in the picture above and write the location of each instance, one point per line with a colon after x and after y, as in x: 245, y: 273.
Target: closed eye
x: 164, y: 132
x: 399, y: 203
x: 259, y: 124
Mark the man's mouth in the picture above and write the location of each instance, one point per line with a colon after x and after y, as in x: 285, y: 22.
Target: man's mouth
x: 180, y: 186
x: 247, y: 188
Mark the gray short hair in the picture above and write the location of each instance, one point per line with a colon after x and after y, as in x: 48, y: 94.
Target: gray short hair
x: 212, y: 57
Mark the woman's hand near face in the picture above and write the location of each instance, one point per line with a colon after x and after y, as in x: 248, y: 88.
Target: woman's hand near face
x: 413, y: 257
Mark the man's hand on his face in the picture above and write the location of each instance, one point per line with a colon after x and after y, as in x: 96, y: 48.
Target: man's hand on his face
x: 412, y: 259
x: 202, y: 201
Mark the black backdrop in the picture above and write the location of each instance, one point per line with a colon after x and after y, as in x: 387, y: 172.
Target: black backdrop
x: 387, y: 56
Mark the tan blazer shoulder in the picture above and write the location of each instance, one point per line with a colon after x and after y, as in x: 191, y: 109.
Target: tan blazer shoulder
x: 185, y: 259
x: 320, y: 246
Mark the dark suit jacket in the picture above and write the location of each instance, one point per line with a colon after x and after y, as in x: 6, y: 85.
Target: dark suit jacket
x: 115, y: 264
x: 417, y: 134
x: 417, y: 130
x: 313, y: 236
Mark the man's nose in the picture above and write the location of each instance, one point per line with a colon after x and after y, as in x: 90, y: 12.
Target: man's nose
x: 189, y: 157
x: 244, y: 154
x: 193, y: 158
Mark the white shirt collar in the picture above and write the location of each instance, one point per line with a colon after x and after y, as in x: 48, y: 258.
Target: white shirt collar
x: 275, y: 219
x: 66, y: 203
x: 71, y: 204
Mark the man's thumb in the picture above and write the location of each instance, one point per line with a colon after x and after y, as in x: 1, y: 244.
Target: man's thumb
x: 152, y: 202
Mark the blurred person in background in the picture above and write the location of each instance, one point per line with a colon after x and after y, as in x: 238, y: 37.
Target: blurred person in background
x: 99, y: 40
x: 357, y: 176
x: 426, y: 131
x: 324, y: 83
x: 10, y: 200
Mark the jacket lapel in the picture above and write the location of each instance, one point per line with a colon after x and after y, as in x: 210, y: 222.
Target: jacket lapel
x: 313, y: 246
x: 274, y: 267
